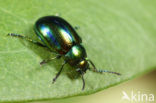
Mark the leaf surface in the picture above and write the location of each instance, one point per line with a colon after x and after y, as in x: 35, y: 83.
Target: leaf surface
x: 118, y: 36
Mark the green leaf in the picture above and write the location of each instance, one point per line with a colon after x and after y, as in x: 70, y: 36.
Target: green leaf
x: 119, y: 35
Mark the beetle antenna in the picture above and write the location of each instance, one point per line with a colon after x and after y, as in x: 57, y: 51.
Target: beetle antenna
x: 82, y: 80
x: 83, y: 83
x: 100, y: 71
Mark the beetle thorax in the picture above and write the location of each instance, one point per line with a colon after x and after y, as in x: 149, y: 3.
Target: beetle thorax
x: 76, y: 54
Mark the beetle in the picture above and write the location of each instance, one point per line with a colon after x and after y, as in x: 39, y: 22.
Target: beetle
x: 60, y: 37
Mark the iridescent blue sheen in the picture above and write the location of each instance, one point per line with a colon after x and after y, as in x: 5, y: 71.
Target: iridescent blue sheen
x: 57, y: 34
x: 49, y: 34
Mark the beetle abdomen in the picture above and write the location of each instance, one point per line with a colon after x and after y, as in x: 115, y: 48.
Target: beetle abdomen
x: 57, y: 34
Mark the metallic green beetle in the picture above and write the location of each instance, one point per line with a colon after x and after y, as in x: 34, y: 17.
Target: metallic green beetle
x: 60, y: 37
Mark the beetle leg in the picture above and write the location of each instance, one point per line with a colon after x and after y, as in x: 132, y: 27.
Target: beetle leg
x: 54, y: 79
x: 26, y: 38
x: 76, y: 27
x: 101, y: 71
x: 48, y: 60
